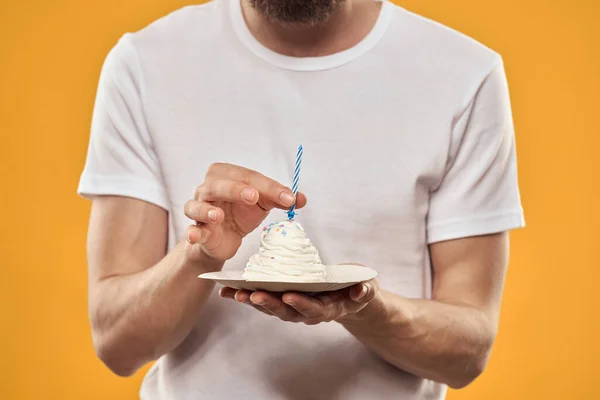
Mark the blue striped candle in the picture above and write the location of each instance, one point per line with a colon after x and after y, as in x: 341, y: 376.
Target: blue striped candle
x: 291, y: 213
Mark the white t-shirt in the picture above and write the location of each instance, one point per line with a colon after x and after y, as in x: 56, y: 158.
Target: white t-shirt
x: 408, y: 140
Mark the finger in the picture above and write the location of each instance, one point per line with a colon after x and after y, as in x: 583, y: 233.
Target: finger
x: 275, y: 306
x: 230, y: 293
x: 300, y: 200
x: 227, y: 292
x: 309, y: 307
x: 226, y: 190
x: 208, y: 237
x: 203, y: 212
x: 272, y: 193
x: 243, y: 296
x: 198, y: 234
x: 363, y: 293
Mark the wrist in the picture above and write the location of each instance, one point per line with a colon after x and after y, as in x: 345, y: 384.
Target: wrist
x: 384, y: 310
x: 375, y: 310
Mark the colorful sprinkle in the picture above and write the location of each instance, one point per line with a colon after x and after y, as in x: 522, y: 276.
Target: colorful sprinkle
x: 277, y: 230
x: 283, y: 233
x: 264, y: 229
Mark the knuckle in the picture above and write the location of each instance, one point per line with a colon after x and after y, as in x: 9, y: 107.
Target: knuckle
x: 248, y: 175
x: 202, y: 191
x: 198, y: 192
x: 213, y: 169
x: 273, y: 186
x: 236, y: 189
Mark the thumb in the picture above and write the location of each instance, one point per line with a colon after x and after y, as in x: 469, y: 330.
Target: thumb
x: 363, y: 293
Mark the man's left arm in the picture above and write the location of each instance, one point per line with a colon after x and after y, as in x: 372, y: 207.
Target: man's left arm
x: 448, y: 338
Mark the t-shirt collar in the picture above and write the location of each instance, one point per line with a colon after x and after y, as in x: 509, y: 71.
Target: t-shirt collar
x: 308, y: 63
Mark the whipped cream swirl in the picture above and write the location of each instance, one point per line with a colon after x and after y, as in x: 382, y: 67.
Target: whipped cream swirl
x: 286, y: 254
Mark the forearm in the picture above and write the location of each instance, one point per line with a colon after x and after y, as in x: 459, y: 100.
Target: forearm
x: 138, y: 317
x: 431, y: 339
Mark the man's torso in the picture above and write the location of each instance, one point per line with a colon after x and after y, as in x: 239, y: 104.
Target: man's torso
x: 376, y: 130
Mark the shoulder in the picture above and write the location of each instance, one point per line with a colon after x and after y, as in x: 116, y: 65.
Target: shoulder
x: 440, y: 47
x: 176, y: 31
x: 172, y: 37
x: 180, y: 24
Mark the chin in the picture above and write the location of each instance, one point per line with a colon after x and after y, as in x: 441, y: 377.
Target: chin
x: 296, y: 12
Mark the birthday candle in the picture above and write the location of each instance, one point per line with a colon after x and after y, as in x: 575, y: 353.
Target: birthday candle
x: 291, y: 213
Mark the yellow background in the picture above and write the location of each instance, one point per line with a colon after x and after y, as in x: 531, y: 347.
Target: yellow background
x: 51, y: 53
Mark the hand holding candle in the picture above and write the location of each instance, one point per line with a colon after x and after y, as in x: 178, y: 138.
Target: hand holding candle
x: 288, y: 261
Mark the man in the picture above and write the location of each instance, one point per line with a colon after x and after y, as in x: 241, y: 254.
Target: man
x: 409, y: 168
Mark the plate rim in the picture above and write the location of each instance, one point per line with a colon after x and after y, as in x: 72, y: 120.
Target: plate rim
x: 240, y: 272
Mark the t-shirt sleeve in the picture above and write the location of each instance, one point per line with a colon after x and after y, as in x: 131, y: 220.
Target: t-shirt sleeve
x: 479, y: 192
x: 121, y: 160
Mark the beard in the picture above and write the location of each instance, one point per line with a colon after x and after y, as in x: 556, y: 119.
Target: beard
x: 296, y: 12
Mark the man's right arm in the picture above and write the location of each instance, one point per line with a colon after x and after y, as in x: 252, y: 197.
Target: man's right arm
x: 142, y: 303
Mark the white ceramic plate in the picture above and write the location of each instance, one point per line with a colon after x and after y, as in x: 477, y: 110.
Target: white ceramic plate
x: 338, y: 277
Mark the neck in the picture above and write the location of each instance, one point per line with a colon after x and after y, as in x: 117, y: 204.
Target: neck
x: 346, y: 27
